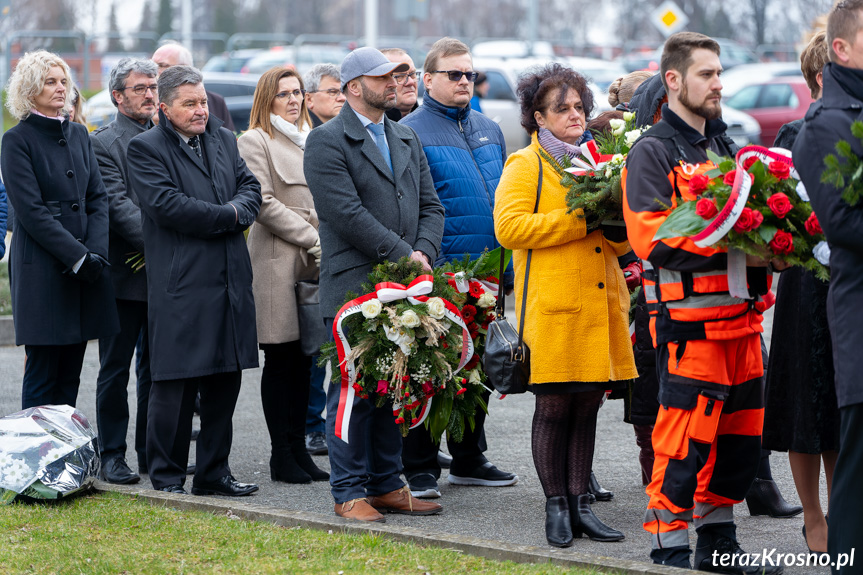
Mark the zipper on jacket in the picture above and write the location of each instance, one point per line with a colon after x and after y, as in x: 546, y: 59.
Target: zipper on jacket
x: 470, y: 151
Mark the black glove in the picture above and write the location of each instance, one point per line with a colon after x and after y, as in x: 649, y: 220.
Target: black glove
x: 91, y: 270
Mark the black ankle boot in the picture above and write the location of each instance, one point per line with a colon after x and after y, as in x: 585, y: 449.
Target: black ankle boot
x: 284, y: 467
x: 558, y: 529
x: 584, y: 521
x: 763, y: 498
x: 304, y: 460
x: 598, y: 492
x: 718, y: 551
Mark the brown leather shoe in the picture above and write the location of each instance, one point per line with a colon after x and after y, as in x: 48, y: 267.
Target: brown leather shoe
x: 358, y: 509
x: 401, y: 501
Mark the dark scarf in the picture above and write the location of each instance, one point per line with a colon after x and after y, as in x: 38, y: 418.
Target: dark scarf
x: 850, y: 79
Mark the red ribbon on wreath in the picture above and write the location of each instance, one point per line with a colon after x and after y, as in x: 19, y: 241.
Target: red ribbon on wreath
x: 387, y: 292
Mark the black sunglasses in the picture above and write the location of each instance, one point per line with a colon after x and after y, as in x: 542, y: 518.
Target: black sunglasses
x: 455, y: 75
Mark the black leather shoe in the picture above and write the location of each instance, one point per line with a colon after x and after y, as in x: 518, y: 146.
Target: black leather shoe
x: 599, y: 493
x: 558, y: 529
x: 763, y: 498
x: 178, y: 489
x: 227, y: 485
x: 116, y: 471
x: 585, y: 522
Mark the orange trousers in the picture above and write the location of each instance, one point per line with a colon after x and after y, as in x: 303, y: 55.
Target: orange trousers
x: 707, y: 437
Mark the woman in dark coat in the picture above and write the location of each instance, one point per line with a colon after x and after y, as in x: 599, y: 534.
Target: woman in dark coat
x: 801, y: 412
x: 61, y: 293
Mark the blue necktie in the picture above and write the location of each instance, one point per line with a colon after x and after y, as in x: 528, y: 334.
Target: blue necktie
x: 381, y: 141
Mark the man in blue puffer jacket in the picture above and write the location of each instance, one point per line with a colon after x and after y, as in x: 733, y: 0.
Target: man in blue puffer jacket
x: 466, y: 153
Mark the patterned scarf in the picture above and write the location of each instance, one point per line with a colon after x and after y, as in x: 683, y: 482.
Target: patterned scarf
x: 557, y: 149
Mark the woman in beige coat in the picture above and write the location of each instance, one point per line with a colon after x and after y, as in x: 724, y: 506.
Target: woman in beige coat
x: 284, y: 247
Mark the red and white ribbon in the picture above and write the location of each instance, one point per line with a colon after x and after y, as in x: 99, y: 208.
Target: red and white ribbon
x: 386, y: 292
x: 463, y: 285
x: 595, y: 161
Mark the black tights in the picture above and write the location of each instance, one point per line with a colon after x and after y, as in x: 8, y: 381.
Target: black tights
x: 562, y: 438
x: 285, y: 392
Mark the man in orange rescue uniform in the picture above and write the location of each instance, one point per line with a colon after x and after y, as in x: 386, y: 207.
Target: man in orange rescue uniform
x: 707, y: 437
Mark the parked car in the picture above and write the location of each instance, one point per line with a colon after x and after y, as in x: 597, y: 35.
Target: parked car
x: 300, y: 58
x: 773, y: 103
x: 741, y: 76
x: 230, y: 61
x: 742, y: 128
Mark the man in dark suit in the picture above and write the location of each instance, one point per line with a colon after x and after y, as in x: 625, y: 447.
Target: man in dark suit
x: 197, y: 197
x: 827, y: 123
x: 133, y: 91
x: 375, y: 201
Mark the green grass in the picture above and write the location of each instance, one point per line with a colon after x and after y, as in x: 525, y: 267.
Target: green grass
x: 5, y: 294
x: 113, y: 533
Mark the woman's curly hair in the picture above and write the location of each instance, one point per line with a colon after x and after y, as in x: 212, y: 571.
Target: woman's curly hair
x: 535, y: 86
x: 28, y: 80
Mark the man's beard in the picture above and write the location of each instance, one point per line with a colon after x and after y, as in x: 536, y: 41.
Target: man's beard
x: 375, y: 100
x: 139, y: 115
x: 706, y: 111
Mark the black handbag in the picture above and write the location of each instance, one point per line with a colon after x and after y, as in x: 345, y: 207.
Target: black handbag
x: 506, y: 360
x: 313, y: 331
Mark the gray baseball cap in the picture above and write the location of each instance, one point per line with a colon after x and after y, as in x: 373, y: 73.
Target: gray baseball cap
x: 368, y: 62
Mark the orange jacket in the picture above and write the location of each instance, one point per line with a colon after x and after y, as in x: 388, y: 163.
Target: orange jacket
x: 686, y: 287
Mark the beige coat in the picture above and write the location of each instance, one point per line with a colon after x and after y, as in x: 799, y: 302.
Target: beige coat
x: 285, y: 228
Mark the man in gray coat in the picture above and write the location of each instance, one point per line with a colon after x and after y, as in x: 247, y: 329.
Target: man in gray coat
x: 197, y: 197
x: 376, y: 201
x: 133, y: 91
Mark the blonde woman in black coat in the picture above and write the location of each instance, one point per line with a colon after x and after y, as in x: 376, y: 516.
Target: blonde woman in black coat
x: 61, y: 293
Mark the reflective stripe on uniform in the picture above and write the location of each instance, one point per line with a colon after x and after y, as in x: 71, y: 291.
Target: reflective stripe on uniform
x: 706, y: 514
x: 705, y: 301
x: 667, y: 516
x: 676, y: 538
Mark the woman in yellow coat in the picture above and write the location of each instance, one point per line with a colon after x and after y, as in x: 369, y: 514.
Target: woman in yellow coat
x: 577, y: 301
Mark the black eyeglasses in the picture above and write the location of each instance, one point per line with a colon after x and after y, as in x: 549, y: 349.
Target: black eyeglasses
x: 402, y: 77
x: 296, y: 94
x: 141, y: 89
x: 455, y: 75
x: 331, y: 92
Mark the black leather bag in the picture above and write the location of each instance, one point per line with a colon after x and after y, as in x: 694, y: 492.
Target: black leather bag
x: 506, y: 360
x: 313, y: 331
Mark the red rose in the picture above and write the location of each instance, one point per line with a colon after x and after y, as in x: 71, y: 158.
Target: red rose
x: 780, y: 170
x: 812, y: 225
x: 782, y: 243
x: 747, y: 163
x: 728, y: 179
x: 779, y: 203
x: 383, y: 387
x: 706, y: 208
x: 427, y: 388
x: 749, y: 220
x: 698, y: 183
x: 472, y: 363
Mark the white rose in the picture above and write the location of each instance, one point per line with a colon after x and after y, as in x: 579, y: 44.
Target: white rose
x: 436, y: 307
x: 628, y: 116
x: 608, y: 172
x: 486, y: 300
x: 410, y: 319
x: 631, y: 136
x: 473, y: 377
x: 617, y: 159
x: 617, y: 126
x: 371, y: 308
x: 821, y: 251
x: 801, y: 192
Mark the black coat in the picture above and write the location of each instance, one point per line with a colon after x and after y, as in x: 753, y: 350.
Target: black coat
x: 61, y: 211
x: 126, y: 236
x: 827, y: 122
x: 199, y: 280
x: 367, y: 214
